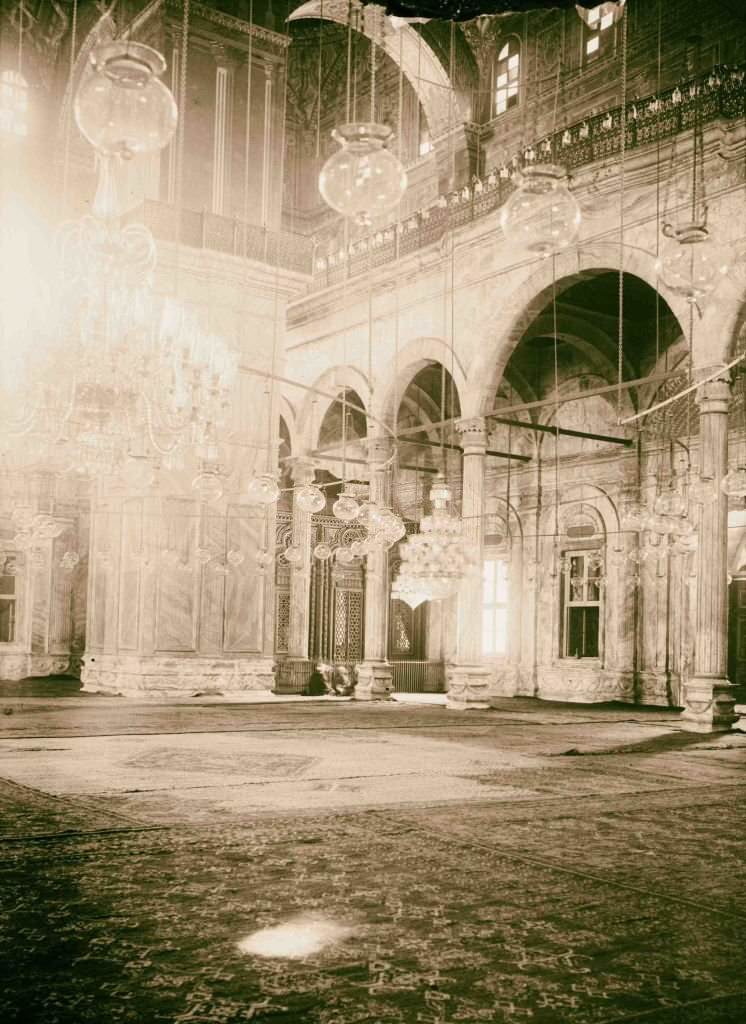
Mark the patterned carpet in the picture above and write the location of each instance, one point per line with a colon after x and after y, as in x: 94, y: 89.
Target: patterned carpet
x: 581, y: 920
x: 600, y: 889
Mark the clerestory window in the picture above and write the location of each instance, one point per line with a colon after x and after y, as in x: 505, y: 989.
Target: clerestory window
x: 507, y: 76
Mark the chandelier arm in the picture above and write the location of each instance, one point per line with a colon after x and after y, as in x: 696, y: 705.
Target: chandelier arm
x: 151, y: 433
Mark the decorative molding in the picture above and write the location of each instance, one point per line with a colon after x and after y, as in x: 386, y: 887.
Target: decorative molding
x: 232, y: 24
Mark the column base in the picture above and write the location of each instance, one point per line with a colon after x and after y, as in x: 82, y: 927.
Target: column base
x: 162, y: 677
x: 709, y: 705
x: 375, y: 681
x: 467, y: 687
x: 14, y: 667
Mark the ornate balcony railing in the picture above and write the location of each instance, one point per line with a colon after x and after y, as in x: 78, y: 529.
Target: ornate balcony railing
x: 719, y: 94
x: 203, y: 230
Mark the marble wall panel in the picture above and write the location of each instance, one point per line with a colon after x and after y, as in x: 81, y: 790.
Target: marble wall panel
x: 178, y: 580
x: 245, y: 586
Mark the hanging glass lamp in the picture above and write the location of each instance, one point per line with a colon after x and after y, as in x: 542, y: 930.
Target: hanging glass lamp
x: 690, y: 262
x: 208, y: 486
x: 734, y: 483
x: 346, y: 507
x: 121, y: 106
x: 542, y: 216
x: 363, y: 180
x: 263, y: 489
x: 310, y: 498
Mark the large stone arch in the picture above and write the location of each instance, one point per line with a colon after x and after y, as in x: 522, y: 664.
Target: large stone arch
x: 408, y: 50
x: 411, y: 359
x: 320, y: 396
x: 502, y: 331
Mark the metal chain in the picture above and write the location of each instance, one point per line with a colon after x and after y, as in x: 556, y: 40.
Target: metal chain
x: 622, y: 154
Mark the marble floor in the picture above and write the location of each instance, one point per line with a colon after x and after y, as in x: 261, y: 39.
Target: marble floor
x: 339, y: 863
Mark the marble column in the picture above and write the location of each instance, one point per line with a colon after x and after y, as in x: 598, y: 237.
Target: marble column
x: 708, y: 695
x: 221, y: 156
x: 374, y: 674
x: 467, y: 678
x: 302, y: 469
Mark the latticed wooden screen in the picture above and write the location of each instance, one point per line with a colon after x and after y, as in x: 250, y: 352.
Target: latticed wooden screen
x: 348, y: 625
x: 282, y: 621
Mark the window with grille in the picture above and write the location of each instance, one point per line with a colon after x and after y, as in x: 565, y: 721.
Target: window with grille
x: 7, y: 601
x: 581, y: 592
x: 507, y: 76
x: 495, y: 588
x: 13, y: 103
x: 599, y: 34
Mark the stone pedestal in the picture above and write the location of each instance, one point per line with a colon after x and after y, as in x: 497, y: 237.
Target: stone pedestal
x: 374, y: 675
x: 468, y: 687
x: 374, y: 681
x: 708, y: 696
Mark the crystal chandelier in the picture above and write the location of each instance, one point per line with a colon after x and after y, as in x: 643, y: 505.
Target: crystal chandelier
x: 435, y: 560
x: 127, y: 376
x: 542, y: 216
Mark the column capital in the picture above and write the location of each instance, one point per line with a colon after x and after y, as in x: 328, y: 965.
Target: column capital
x: 380, y: 447
x: 714, y: 396
x: 302, y: 469
x: 222, y: 56
x: 474, y: 435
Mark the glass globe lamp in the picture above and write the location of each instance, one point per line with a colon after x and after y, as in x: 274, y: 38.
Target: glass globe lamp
x: 671, y: 503
x: 542, y: 216
x: 236, y: 557
x: 344, y: 556
x: 310, y: 498
x: 263, y: 489
x: 370, y: 515
x: 346, y: 508
x: 208, y: 486
x: 264, y: 558
x: 323, y: 552
x: 121, y: 106
x: 690, y: 263
x: 734, y: 483
x: 602, y: 15
x: 293, y: 554
x: 363, y: 180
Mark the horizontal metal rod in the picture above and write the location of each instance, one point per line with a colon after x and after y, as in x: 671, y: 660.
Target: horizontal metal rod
x: 523, y: 406
x: 364, y: 462
x: 457, y: 448
x: 547, y: 429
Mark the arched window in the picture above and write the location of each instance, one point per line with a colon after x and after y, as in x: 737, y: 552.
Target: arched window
x: 13, y: 103
x: 507, y: 76
x: 599, y: 33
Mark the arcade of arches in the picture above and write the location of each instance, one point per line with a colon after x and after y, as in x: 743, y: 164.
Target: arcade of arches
x: 610, y: 563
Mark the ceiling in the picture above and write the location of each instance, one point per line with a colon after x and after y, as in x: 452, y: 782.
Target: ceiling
x: 465, y: 10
